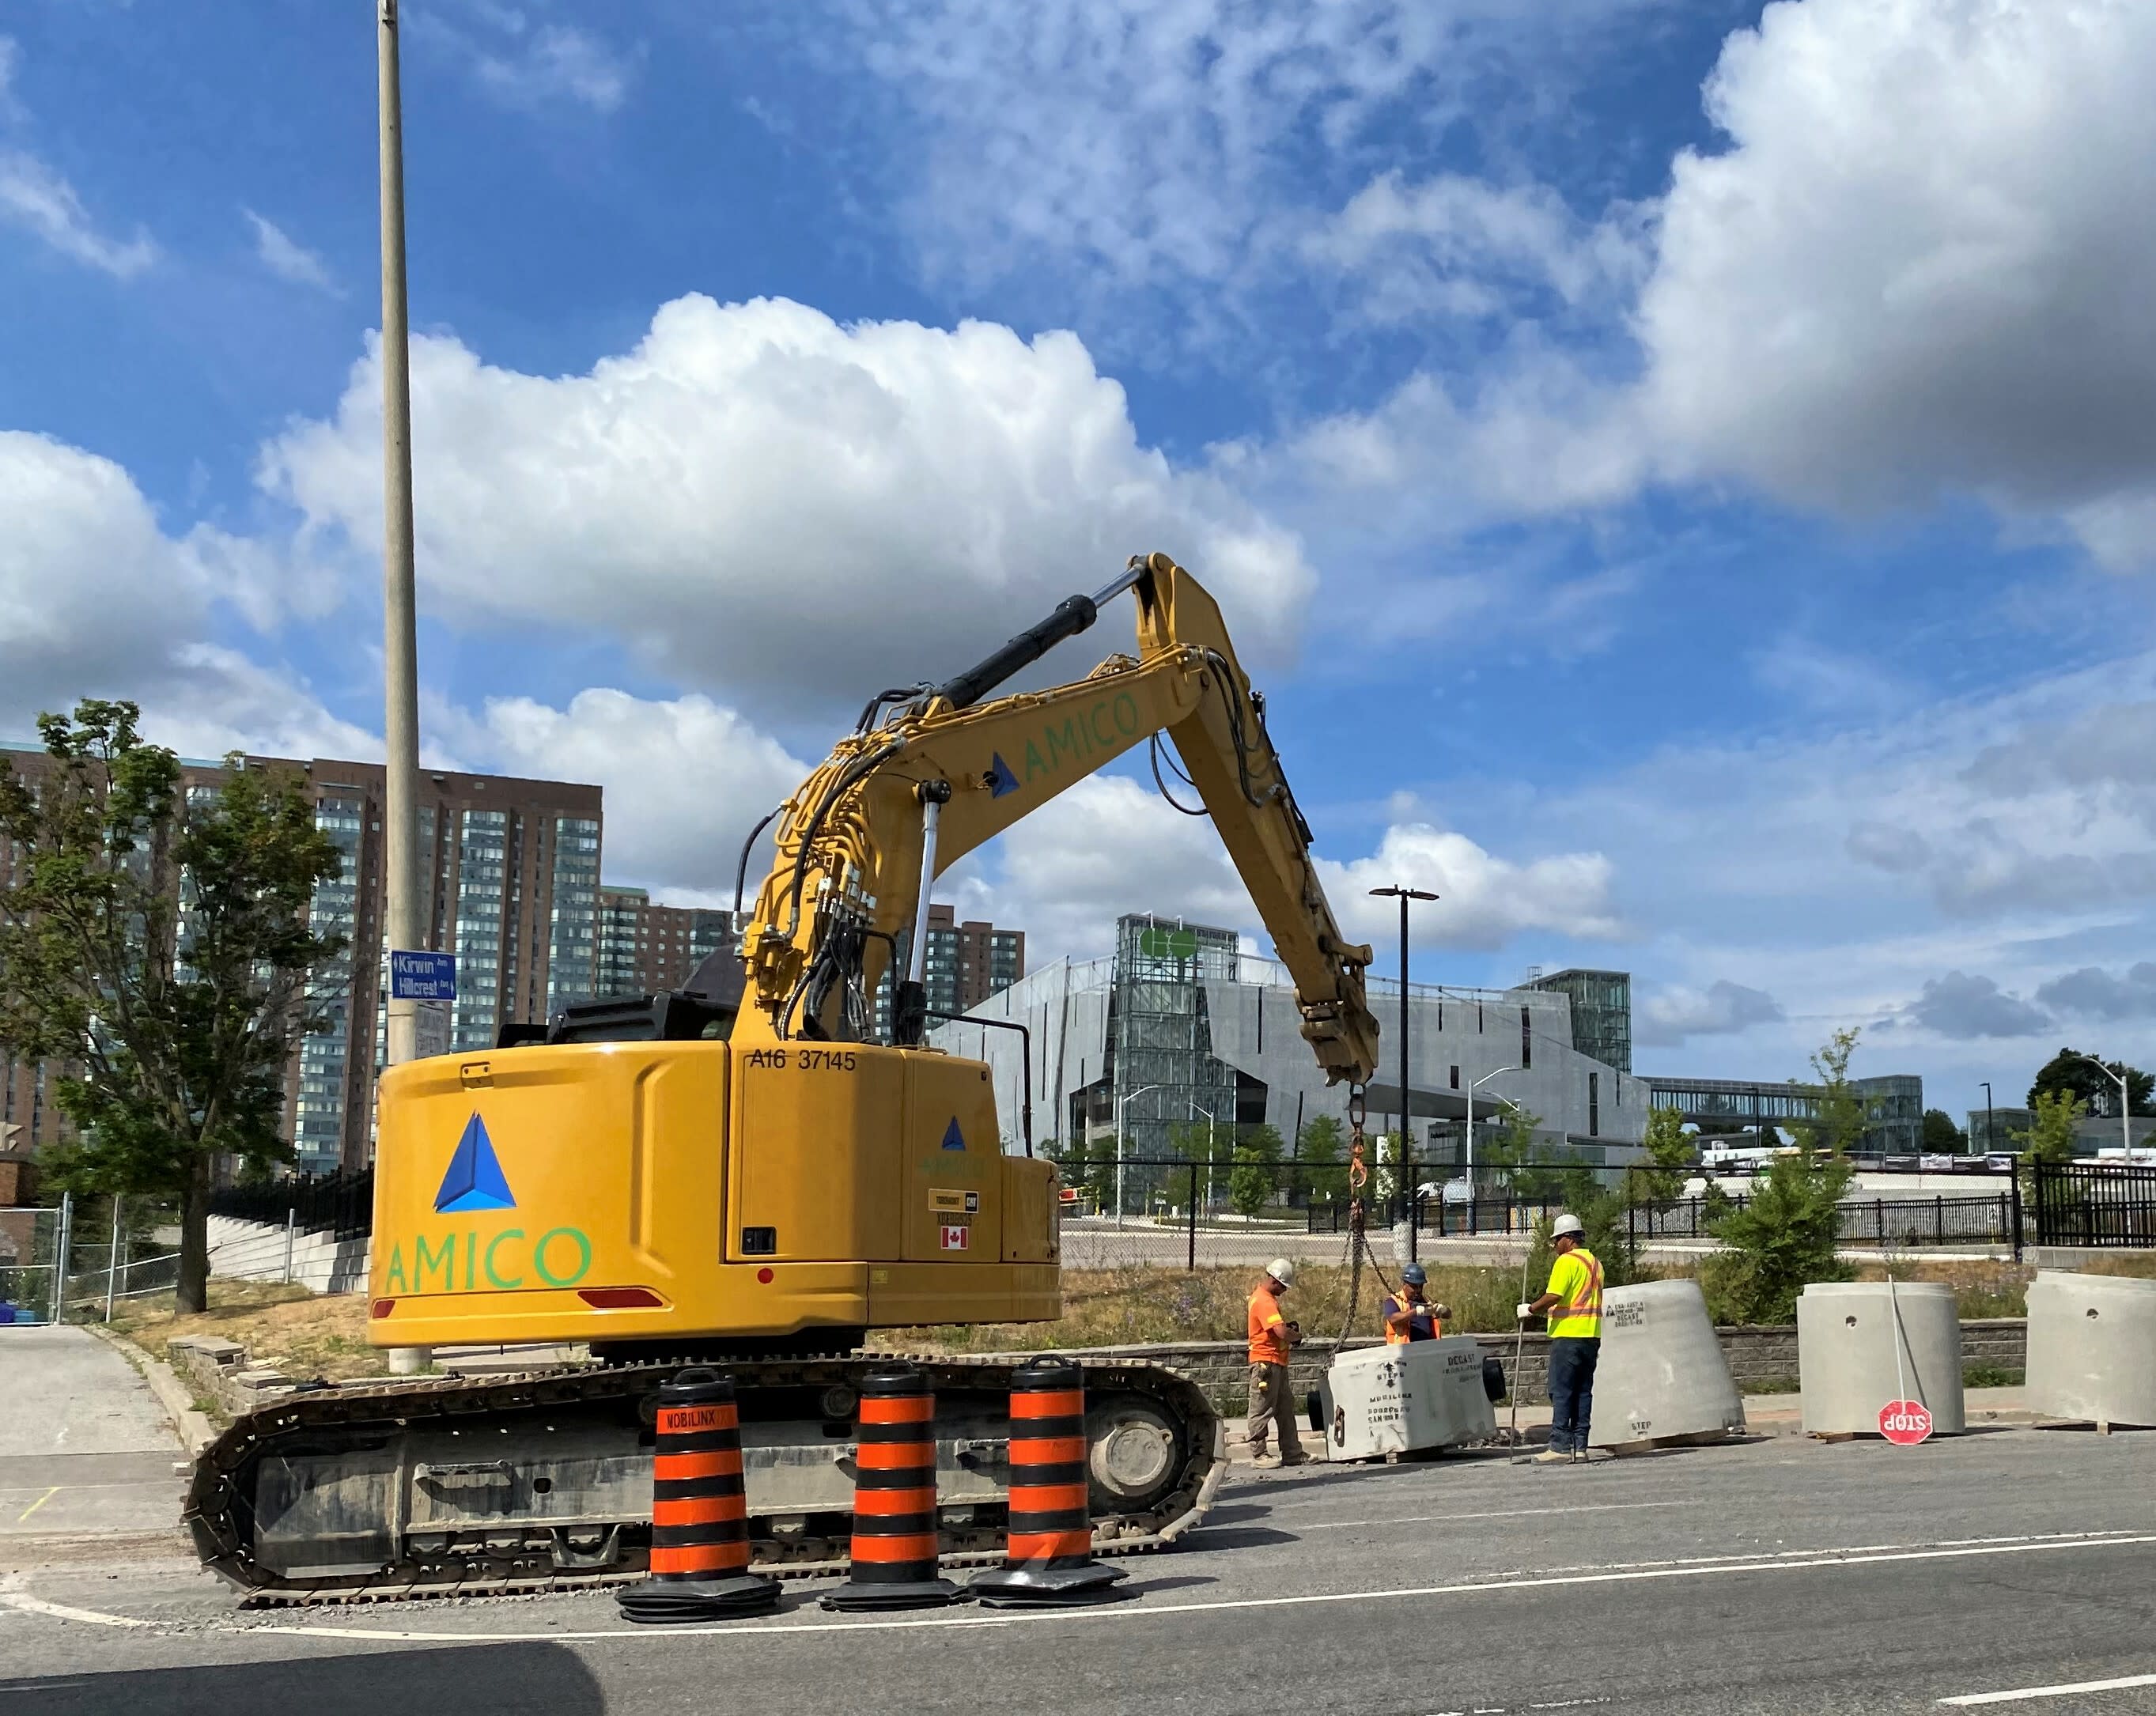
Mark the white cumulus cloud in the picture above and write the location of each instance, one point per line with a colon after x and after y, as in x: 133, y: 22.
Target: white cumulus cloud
x: 1920, y: 266
x: 686, y: 779
x: 769, y: 504
x: 1722, y: 1009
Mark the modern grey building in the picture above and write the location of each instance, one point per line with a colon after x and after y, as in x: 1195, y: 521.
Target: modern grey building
x: 1176, y: 1027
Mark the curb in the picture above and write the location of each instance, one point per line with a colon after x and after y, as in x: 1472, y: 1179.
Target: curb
x: 193, y: 1428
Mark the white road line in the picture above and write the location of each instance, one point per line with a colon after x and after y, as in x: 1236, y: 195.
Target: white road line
x: 1448, y: 1518
x: 13, y: 1596
x: 2054, y: 1692
x: 1140, y: 1611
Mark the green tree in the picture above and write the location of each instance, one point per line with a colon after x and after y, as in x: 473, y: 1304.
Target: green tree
x: 1322, y: 1152
x: 156, y: 947
x: 2069, y: 1071
x: 1788, y: 1231
x: 1512, y: 1152
x: 1942, y: 1137
x: 1255, y: 1176
x: 1657, y: 1180
x: 1839, y: 1121
x: 2050, y: 1135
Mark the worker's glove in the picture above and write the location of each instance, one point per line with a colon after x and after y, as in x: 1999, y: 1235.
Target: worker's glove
x: 1523, y: 1310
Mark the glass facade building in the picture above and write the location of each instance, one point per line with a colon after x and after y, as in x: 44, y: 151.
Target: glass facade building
x: 1893, y: 1107
x: 1601, y: 1012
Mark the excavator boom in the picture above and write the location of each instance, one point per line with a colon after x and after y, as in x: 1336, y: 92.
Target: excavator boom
x: 947, y: 772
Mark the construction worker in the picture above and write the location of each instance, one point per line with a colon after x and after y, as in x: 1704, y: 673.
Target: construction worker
x: 1573, y: 1305
x: 1271, y: 1337
x: 1409, y: 1315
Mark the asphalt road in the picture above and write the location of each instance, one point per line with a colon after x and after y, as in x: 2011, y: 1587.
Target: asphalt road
x: 1779, y: 1576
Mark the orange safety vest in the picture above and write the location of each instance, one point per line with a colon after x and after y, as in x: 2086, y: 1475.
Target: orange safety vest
x: 1268, y: 1330
x: 1393, y: 1305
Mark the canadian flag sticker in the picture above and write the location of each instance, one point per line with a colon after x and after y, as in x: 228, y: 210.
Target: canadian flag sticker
x: 958, y: 1236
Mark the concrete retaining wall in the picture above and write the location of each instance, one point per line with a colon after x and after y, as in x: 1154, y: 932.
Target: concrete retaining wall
x: 256, y: 1251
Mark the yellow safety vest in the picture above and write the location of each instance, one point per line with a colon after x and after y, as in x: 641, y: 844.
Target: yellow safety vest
x: 1576, y: 1278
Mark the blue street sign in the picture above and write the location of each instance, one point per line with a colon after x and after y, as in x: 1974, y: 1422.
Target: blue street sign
x: 421, y: 976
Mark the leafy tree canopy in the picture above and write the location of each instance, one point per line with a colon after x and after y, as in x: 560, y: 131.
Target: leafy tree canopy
x: 155, y: 952
x: 1942, y: 1137
x: 2069, y: 1073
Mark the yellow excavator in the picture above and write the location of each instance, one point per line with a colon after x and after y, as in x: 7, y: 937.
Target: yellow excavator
x: 733, y: 1172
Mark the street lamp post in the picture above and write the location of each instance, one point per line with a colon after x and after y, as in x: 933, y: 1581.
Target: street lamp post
x: 1473, y: 1086
x: 1406, y: 1157
x: 1208, y: 1113
x: 2125, y: 1103
x: 1120, y: 1104
x: 1991, y: 1130
x: 400, y: 725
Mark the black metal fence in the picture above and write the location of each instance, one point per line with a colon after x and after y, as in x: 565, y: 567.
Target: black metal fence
x: 2101, y: 1204
x: 340, y: 1205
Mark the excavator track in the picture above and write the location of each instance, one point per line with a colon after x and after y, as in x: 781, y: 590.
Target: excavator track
x: 542, y: 1481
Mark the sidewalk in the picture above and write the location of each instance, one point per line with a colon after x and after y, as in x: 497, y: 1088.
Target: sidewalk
x: 85, y: 1451
x: 1765, y: 1414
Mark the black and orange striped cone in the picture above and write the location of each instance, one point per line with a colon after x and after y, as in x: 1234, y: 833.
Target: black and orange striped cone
x: 699, y: 1552
x: 894, y: 1548
x: 1048, y: 1556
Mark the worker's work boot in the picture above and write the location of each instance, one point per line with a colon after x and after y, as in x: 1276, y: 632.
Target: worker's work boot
x: 1552, y: 1457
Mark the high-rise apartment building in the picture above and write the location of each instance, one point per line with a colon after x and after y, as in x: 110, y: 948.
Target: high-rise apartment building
x: 966, y: 964
x: 509, y: 883
x: 645, y: 949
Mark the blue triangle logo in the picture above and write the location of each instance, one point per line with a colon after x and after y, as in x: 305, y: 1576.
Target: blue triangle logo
x: 474, y: 1181
x: 954, y: 1138
x: 1001, y: 780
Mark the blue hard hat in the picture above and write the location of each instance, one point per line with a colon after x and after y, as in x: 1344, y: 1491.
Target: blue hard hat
x: 1413, y: 1275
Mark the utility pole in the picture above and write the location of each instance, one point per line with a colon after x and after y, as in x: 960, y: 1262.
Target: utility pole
x: 1990, y: 1134
x: 400, y: 650
x: 1406, y: 1157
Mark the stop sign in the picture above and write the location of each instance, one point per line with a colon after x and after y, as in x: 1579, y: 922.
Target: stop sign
x: 1905, y: 1422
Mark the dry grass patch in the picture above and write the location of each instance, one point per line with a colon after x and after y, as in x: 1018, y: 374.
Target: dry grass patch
x: 306, y: 1334
x: 2139, y: 1263
x: 1152, y: 1305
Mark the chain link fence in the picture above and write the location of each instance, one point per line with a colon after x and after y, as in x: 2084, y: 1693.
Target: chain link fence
x: 77, y: 1262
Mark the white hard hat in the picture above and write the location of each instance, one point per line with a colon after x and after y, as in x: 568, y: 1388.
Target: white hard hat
x: 1567, y: 1223
x: 1282, y: 1271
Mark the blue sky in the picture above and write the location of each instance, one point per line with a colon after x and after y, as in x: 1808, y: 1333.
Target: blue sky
x: 1682, y: 470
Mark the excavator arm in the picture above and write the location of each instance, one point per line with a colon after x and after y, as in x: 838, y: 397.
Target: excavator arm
x: 859, y: 844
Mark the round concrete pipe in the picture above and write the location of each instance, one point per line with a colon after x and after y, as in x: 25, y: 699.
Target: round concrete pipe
x: 1862, y: 1343
x: 2093, y: 1348
x: 1662, y: 1376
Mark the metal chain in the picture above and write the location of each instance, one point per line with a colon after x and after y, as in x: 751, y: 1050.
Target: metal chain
x: 1359, y: 1176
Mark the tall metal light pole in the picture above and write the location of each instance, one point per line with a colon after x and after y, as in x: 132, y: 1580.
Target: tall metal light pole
x: 400, y: 645
x: 1407, y: 1106
x: 1990, y: 1131
x: 2125, y: 1103
x: 1120, y: 1102
x: 1473, y: 1086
